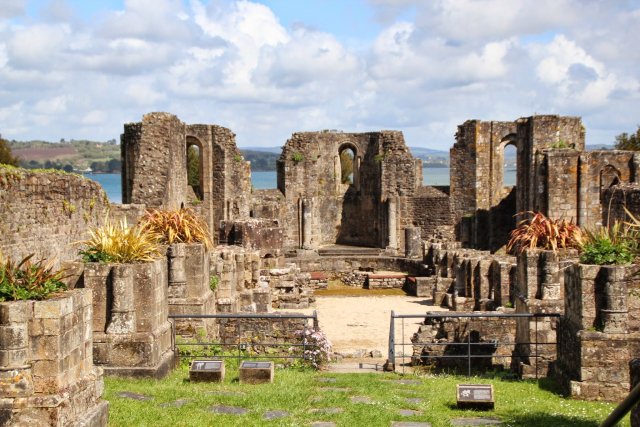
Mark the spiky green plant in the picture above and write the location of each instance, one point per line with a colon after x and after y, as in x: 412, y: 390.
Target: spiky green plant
x: 177, y: 226
x: 539, y: 231
x: 118, y: 242
x: 27, y: 280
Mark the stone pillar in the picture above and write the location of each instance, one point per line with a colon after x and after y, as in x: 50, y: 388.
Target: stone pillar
x: 392, y: 221
x: 550, y: 282
x: 15, y: 370
x: 356, y: 172
x: 177, y: 273
x: 306, y: 223
x: 614, y: 312
x: 123, y: 314
x: 412, y: 242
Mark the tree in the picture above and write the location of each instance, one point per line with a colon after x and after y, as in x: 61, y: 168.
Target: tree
x: 193, y: 166
x: 624, y: 141
x: 346, y: 166
x: 5, y: 154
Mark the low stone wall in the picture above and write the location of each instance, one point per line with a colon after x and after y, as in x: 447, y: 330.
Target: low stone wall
x: 189, y: 289
x: 132, y: 334
x: 597, y: 337
x: 254, y: 332
x: 45, y: 212
x: 47, y: 376
x: 385, y: 281
x: 450, y: 337
x: 265, y: 235
x: 290, y: 288
x: 340, y: 264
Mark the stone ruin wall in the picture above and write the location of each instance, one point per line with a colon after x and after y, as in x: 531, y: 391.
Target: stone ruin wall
x: 318, y: 209
x: 46, y: 212
x: 155, y: 168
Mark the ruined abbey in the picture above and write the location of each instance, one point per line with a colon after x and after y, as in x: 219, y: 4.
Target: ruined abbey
x: 273, y: 248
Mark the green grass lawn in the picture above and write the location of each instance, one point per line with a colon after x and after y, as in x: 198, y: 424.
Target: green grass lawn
x: 302, y: 392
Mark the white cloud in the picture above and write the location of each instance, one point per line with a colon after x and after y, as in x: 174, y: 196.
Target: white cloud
x: 11, y: 8
x: 431, y: 66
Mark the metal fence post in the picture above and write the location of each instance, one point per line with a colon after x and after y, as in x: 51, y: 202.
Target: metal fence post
x: 391, y: 355
x: 469, y: 354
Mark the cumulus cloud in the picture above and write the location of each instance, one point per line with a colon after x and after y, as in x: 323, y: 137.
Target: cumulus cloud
x: 430, y: 66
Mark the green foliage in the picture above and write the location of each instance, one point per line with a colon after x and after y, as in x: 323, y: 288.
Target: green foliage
x: 297, y: 157
x: 560, y: 145
x: 626, y: 141
x: 378, y: 157
x: 120, y: 243
x: 177, y: 226
x: 346, y: 166
x: 261, y: 160
x: 6, y: 157
x: 27, y: 280
x: 538, y: 231
x: 193, y: 166
x: 213, y: 282
x: 610, y: 245
x: 300, y: 391
x: 237, y: 158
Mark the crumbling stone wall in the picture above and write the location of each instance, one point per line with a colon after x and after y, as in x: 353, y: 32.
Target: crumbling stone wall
x: 320, y: 209
x: 154, y: 157
x: 261, y: 234
x: 47, y: 376
x: 238, y: 271
x: 599, y: 332
x: 46, y: 212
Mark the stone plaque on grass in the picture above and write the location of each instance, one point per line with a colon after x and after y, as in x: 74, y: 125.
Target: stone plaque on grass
x: 207, y: 370
x: 256, y: 372
x: 477, y: 396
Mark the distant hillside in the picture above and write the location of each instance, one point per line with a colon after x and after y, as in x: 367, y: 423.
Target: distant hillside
x: 261, y: 160
x: 69, y: 155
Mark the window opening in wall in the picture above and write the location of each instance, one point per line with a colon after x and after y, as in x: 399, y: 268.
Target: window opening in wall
x: 609, y: 176
x: 194, y: 169
x: 347, y: 164
x: 510, y: 165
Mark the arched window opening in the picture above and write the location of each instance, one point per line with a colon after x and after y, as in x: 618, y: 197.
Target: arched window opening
x: 509, y: 165
x: 194, y: 169
x: 347, y: 165
x: 609, y: 176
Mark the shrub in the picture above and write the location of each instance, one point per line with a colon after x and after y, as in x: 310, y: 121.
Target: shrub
x: 27, y: 280
x: 213, y: 283
x: 609, y: 245
x: 177, y: 226
x: 545, y: 233
x: 120, y: 243
x: 297, y: 157
x: 317, y: 349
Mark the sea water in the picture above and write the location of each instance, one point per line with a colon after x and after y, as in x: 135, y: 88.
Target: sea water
x: 268, y: 179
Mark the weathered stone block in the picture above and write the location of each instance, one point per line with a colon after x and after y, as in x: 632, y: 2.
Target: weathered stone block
x: 256, y: 372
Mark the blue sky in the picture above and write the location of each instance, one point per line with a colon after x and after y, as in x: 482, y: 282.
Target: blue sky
x: 266, y: 69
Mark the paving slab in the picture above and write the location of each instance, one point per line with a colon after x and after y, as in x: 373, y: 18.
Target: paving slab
x: 409, y: 412
x: 409, y: 424
x: 175, y: 404
x: 275, y: 414
x: 134, y: 396
x: 323, y: 424
x: 226, y: 393
x: 230, y: 410
x: 361, y: 399
x: 326, y: 410
x: 339, y: 389
x: 327, y: 380
x: 414, y: 400
x: 476, y: 421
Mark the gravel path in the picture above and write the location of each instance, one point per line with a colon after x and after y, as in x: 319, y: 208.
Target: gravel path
x: 354, y: 324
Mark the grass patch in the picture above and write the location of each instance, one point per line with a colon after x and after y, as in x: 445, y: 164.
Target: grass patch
x: 335, y: 288
x: 299, y: 392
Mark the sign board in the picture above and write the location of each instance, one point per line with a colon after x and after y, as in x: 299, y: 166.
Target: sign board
x: 255, y: 365
x: 207, y: 370
x: 478, y: 396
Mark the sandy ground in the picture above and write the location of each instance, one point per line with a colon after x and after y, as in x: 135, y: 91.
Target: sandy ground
x: 362, y: 323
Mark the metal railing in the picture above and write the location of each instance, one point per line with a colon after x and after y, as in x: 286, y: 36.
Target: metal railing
x: 468, y: 345
x: 241, y: 345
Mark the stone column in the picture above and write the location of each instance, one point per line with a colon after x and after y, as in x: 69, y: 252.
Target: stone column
x: 614, y: 313
x: 123, y: 315
x: 412, y: 242
x: 356, y: 172
x: 15, y: 370
x: 392, y: 221
x: 306, y: 223
x: 177, y: 274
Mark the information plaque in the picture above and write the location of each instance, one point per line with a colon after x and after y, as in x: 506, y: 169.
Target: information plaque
x: 207, y: 370
x: 479, y: 396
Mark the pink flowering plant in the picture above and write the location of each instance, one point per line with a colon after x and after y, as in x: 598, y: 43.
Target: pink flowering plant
x: 316, y: 350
